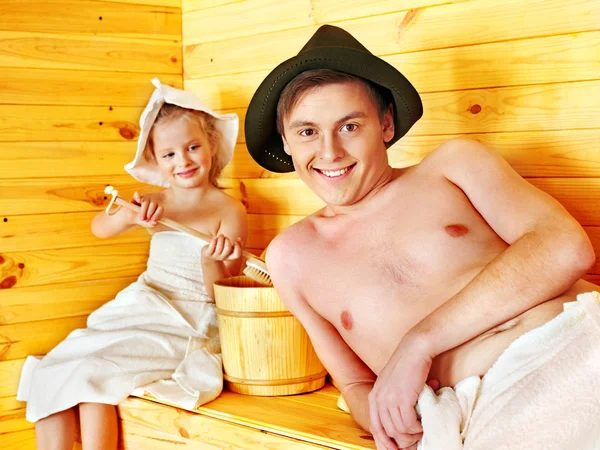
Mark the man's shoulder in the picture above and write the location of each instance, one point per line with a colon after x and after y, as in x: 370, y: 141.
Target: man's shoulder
x: 454, y: 150
x: 286, y: 249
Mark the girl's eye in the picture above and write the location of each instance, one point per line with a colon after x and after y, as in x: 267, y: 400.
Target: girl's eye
x: 350, y: 127
x: 193, y: 147
x: 168, y: 155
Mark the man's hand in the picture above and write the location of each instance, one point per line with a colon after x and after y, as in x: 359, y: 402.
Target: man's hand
x: 392, y: 401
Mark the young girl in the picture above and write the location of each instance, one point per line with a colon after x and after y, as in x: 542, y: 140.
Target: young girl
x: 160, y: 333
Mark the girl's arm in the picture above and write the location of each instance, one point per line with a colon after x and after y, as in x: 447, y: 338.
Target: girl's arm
x: 222, y: 257
x: 105, y: 226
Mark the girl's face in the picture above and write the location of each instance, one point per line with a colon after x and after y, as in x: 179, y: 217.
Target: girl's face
x: 183, y: 152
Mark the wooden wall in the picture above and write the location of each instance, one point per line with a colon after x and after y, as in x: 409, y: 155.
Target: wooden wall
x: 522, y: 76
x: 74, y: 78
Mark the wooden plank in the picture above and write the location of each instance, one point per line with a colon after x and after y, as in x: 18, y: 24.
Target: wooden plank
x: 552, y: 59
x: 64, y: 159
x: 549, y: 59
x: 10, y: 373
x: 17, y: 341
x: 56, y: 195
x: 80, y: 298
x: 580, y: 196
x: 560, y: 153
x: 323, y: 426
x: 32, y: 232
x: 92, y: 18
x: 262, y: 228
x: 20, y: 440
x: 554, y: 153
x: 13, y: 421
x: 10, y: 403
x: 148, y: 422
x: 171, y: 3
x: 411, y: 30
x: 55, y: 123
x: 71, y: 52
x: 65, y: 87
x: 594, y: 235
x: 69, y: 265
x: 289, y: 196
x: 244, y: 18
x: 562, y: 106
x: 53, y: 231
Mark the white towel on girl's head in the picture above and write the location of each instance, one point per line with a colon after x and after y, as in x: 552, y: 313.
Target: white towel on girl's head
x: 159, y: 334
x: 543, y: 392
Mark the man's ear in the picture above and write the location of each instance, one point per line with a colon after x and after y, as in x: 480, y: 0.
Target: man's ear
x: 388, y: 124
x: 286, y: 147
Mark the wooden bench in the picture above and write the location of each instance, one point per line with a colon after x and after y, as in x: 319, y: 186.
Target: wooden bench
x: 240, y: 422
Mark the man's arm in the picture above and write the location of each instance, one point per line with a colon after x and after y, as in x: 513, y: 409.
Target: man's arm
x: 351, y: 374
x: 548, y: 249
x: 548, y: 252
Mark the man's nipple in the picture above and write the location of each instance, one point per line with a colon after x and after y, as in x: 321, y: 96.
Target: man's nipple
x: 346, y: 319
x: 456, y: 230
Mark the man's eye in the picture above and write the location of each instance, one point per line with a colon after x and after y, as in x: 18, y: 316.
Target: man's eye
x: 307, y: 132
x: 350, y: 127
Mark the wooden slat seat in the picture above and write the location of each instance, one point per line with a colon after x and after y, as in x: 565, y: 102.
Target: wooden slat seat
x: 234, y: 421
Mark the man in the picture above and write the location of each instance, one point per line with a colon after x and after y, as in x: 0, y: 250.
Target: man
x: 424, y: 274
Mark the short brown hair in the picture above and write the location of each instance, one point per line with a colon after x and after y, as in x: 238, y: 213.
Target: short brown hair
x: 312, y: 79
x: 208, y: 125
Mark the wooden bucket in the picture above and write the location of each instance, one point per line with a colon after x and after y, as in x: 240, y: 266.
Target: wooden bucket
x: 266, y: 351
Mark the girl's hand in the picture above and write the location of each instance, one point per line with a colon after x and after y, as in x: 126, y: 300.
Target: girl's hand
x: 151, y: 211
x: 221, y: 248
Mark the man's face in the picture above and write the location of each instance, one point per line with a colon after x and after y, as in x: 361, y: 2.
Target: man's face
x: 337, y: 142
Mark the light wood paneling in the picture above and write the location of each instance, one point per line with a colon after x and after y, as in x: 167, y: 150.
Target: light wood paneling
x: 19, y: 441
x: 67, y: 230
x: 56, y: 195
x: 56, y: 123
x: 70, y: 52
x: 313, y: 421
x: 446, y: 26
x: 24, y: 86
x: 10, y: 373
x: 69, y: 265
x: 13, y: 421
x: 151, y: 425
x: 64, y: 159
x: 17, y: 341
x: 92, y: 18
x: 571, y: 57
x: 31, y: 304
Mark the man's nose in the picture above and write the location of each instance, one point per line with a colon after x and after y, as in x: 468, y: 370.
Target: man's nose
x: 331, y: 149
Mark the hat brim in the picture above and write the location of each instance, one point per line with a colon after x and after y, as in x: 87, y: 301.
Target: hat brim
x: 262, y: 139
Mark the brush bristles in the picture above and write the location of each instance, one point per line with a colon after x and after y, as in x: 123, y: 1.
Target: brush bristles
x: 257, y: 275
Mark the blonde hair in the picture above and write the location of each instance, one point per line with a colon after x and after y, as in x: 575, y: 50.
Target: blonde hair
x: 208, y: 125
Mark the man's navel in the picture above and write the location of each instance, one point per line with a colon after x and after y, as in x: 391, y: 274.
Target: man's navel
x: 456, y: 230
x: 346, y: 319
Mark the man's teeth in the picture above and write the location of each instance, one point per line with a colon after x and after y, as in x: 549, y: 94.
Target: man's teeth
x: 335, y: 173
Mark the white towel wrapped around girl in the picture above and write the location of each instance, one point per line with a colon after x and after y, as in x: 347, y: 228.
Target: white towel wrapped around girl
x: 160, y: 333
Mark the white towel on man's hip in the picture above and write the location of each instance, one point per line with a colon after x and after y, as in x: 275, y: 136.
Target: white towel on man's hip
x: 159, y: 334
x: 543, y: 393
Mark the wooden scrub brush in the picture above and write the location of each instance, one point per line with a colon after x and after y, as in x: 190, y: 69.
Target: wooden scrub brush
x: 255, y: 267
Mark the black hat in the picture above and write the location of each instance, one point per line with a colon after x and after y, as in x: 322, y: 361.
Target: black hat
x: 329, y: 48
